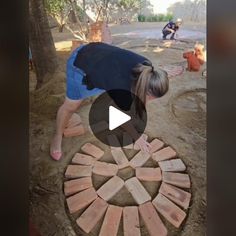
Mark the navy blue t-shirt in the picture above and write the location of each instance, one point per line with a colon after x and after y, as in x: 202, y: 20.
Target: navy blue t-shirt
x: 107, y: 67
x: 171, y: 25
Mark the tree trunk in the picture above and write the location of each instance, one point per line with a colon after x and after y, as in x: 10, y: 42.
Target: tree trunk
x: 60, y: 28
x: 41, y: 42
x: 72, y: 17
x: 84, y: 12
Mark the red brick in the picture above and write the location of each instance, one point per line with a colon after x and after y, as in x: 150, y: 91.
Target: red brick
x: 83, y: 159
x: 137, y: 190
x: 127, y: 141
x: 177, y: 179
x: 111, y: 221
x: 148, y: 174
x: 131, y: 221
x: 169, y: 210
x: 172, y: 165
x: 105, y: 169
x: 152, y: 220
x: 156, y: 144
x: 77, y: 185
x: 74, y: 131
x: 92, y: 215
x: 76, y: 171
x: 164, y: 154
x: 177, y: 195
x: 74, y: 121
x: 136, y: 147
x: 139, y: 159
x: 92, y: 150
x: 99, y: 127
x: 120, y: 158
x: 81, y: 200
x: 100, y: 33
x: 110, y: 188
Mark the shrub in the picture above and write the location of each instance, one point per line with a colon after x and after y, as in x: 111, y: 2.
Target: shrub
x: 155, y: 17
x: 141, y: 18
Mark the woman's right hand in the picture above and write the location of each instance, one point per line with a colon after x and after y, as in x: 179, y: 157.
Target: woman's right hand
x: 143, y: 145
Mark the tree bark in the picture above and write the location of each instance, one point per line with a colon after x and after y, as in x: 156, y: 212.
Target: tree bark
x: 60, y: 28
x: 41, y: 42
x: 72, y: 17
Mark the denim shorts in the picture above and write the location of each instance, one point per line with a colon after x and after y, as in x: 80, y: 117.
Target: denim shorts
x: 75, y: 90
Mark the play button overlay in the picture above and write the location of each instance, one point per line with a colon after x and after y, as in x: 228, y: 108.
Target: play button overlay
x: 117, y: 118
x: 116, y: 112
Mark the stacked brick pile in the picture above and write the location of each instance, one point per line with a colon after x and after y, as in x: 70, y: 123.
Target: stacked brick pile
x: 99, y: 32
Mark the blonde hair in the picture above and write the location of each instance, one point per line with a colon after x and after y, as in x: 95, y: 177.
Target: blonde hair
x: 148, y: 82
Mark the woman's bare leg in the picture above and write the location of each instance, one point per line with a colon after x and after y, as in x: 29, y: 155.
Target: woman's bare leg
x: 63, y: 115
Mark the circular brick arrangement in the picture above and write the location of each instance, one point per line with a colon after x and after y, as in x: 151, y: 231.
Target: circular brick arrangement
x: 189, y: 108
x: 88, y: 204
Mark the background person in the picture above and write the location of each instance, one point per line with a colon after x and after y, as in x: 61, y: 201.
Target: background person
x: 171, y: 28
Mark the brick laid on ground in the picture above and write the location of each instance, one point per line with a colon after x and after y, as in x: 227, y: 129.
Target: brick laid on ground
x: 139, y: 159
x: 120, y: 158
x: 74, y: 131
x: 156, y: 145
x: 81, y: 200
x: 177, y: 195
x: 172, y: 165
x: 131, y: 221
x: 169, y: 210
x: 74, y: 121
x: 77, y: 185
x: 145, y: 137
x: 110, y: 188
x: 127, y: 141
x: 83, y: 159
x: 148, y: 174
x: 111, y: 221
x: 92, y: 150
x: 76, y: 171
x: 152, y: 220
x: 105, y: 169
x: 92, y: 215
x: 164, y: 154
x: 137, y: 190
x: 177, y: 179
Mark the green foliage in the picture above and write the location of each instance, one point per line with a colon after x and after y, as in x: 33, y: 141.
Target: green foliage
x: 155, y: 18
x: 129, y: 4
x: 55, y: 7
x: 169, y: 17
x: 141, y: 18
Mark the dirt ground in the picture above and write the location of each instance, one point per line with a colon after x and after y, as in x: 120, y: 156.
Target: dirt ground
x: 179, y: 119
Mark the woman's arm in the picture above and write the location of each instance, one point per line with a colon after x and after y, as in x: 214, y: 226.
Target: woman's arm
x: 169, y: 29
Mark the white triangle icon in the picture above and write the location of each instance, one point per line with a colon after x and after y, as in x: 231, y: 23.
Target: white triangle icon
x: 117, y: 118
